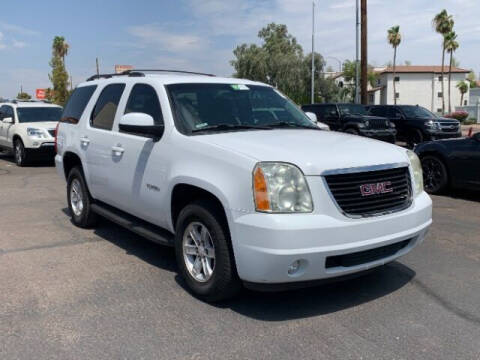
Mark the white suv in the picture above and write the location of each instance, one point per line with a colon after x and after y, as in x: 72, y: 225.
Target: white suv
x: 27, y: 128
x: 238, y: 179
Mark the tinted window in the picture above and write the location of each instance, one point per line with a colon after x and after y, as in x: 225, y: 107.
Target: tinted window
x: 377, y: 111
x: 6, y: 111
x: 105, y: 109
x: 76, y: 104
x: 417, y: 112
x: 38, y: 114
x: 352, y: 109
x: 198, y: 106
x: 325, y: 111
x: 143, y: 99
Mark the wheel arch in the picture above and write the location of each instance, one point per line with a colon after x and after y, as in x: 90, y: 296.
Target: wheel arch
x: 441, y: 157
x: 70, y: 160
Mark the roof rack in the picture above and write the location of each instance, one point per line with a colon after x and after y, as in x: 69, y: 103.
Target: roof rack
x: 16, y: 101
x: 141, y: 72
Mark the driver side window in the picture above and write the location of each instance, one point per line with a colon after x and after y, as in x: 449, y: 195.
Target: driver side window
x: 143, y: 99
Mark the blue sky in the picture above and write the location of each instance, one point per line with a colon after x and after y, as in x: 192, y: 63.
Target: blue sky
x: 201, y: 34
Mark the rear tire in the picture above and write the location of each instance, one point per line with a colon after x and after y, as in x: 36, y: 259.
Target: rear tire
x: 79, y: 200
x: 435, y: 175
x: 19, y: 153
x: 204, y: 253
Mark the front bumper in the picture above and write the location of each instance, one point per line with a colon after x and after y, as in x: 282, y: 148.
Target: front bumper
x: 265, y: 245
x: 385, y: 135
x: 43, y: 150
x: 444, y: 135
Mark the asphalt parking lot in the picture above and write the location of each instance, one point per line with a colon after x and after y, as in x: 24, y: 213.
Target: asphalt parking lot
x: 67, y: 293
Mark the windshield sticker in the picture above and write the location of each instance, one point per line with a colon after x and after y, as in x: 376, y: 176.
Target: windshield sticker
x: 239, y: 87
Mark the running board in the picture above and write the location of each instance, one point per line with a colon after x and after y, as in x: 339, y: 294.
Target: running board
x: 134, y: 224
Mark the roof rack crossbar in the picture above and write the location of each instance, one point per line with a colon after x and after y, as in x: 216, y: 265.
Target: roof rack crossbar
x: 141, y: 72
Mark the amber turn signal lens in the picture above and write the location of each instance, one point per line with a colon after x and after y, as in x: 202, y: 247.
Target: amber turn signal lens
x: 262, y: 202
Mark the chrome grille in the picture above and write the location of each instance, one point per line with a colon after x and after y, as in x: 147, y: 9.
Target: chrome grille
x: 449, y: 126
x: 377, y: 123
x: 390, y: 191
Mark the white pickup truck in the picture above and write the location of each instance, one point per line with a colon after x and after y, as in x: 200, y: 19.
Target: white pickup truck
x: 237, y: 178
x: 27, y: 129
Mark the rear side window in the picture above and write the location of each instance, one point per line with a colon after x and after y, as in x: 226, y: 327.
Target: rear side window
x: 143, y: 99
x: 76, y: 104
x: 378, y: 111
x: 105, y: 109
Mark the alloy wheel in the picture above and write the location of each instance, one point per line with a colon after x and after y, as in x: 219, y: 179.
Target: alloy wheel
x: 76, y: 197
x: 433, y: 174
x: 198, y: 251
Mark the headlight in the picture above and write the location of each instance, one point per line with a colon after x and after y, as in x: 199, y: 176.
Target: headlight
x: 367, y: 123
x: 280, y: 188
x: 432, y: 125
x: 417, y: 172
x: 39, y: 133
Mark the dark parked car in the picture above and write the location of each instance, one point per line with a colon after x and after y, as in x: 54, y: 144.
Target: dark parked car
x: 353, y: 119
x: 416, y: 124
x: 454, y: 162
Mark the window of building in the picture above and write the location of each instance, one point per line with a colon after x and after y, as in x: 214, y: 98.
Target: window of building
x: 397, y: 95
x: 440, y: 78
x: 440, y: 94
x: 103, y: 113
x: 371, y: 98
x: 465, y: 102
x: 143, y: 99
x: 397, y: 78
x: 379, y: 82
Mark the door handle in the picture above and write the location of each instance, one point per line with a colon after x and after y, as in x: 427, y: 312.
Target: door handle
x: 118, y: 150
x: 85, y: 141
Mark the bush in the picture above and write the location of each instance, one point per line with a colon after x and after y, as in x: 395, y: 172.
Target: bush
x: 470, y: 121
x: 459, y: 115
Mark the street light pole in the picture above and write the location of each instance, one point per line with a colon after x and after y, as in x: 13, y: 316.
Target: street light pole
x: 357, y: 60
x: 312, y: 100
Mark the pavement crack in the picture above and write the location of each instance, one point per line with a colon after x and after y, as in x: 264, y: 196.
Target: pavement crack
x: 447, y: 304
x: 48, y: 246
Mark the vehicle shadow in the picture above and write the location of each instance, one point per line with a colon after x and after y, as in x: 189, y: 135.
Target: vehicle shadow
x: 322, y: 299
x: 272, y: 306
x: 469, y: 195
x: 33, y: 163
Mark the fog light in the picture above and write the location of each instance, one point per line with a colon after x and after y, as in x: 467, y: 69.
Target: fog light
x: 293, y: 267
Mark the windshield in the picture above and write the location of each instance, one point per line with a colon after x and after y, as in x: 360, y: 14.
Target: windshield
x: 418, y: 112
x: 352, y: 109
x: 38, y: 114
x: 232, y: 107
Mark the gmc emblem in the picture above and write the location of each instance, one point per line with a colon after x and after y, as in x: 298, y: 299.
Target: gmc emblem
x: 377, y: 188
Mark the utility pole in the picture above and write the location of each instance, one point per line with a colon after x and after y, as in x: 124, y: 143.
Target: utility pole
x: 98, y: 71
x: 357, y: 56
x: 364, y: 77
x: 312, y: 100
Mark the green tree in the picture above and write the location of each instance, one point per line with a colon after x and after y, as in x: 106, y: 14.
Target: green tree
x: 450, y: 45
x: 23, y: 96
x: 443, y: 24
x: 59, y: 76
x: 462, y: 86
x: 472, y: 79
x: 394, y: 38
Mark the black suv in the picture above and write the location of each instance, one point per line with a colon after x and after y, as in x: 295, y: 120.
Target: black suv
x: 353, y: 119
x: 416, y: 124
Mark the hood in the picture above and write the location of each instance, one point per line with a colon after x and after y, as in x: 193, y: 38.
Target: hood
x: 312, y: 150
x: 447, y: 120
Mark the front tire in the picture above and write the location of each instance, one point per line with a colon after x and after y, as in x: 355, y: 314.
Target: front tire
x: 435, y: 174
x: 79, y: 200
x: 19, y: 153
x: 204, y: 254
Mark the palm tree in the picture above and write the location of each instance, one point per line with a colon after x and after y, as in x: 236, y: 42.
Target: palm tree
x: 394, y: 38
x: 450, y: 45
x: 462, y: 86
x: 443, y: 24
x: 60, y: 47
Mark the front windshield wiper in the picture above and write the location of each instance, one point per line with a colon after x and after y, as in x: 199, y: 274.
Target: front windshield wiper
x: 286, y: 124
x: 221, y: 127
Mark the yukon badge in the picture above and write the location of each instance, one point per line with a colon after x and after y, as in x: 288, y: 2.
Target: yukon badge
x: 377, y: 188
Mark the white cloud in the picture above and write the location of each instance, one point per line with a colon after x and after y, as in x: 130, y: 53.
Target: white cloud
x: 155, y: 35
x: 18, y: 29
x: 18, y: 44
